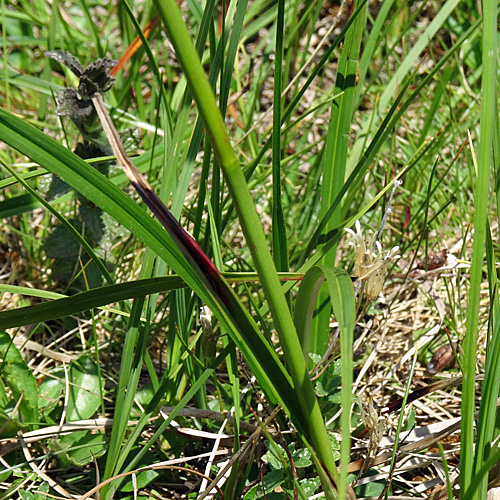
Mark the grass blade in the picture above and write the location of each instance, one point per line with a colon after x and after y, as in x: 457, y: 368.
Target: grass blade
x: 489, y: 108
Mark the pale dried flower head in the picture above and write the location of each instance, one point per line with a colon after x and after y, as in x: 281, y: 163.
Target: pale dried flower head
x: 374, y: 424
x: 370, y: 266
x: 362, y: 250
x: 376, y: 279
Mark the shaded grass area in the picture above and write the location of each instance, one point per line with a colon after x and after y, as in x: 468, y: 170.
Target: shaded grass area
x: 319, y: 111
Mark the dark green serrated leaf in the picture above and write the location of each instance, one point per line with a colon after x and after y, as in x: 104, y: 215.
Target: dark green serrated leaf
x: 57, y: 188
x: 92, y: 216
x: 61, y: 244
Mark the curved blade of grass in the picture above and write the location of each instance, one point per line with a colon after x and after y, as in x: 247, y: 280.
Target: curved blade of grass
x: 344, y: 308
x: 252, y: 229
x: 341, y: 293
x: 62, y: 306
x: 231, y: 314
x: 304, y: 306
x: 234, y: 41
x: 217, y: 286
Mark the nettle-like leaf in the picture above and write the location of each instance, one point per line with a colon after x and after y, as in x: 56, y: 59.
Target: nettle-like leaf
x: 60, y: 243
x: 95, y: 78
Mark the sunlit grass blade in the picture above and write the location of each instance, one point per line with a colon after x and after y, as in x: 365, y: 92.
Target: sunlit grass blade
x: 252, y: 229
x: 83, y: 301
x: 395, y: 113
x: 472, y: 462
x: 103, y: 193
x: 335, y: 162
x: 341, y: 293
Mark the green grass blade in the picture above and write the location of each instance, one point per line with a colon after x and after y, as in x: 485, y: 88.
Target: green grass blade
x: 489, y: 109
x: 389, y: 121
x: 103, y: 193
x: 131, y: 367
x: 344, y: 309
x: 341, y: 294
x: 304, y: 307
x: 230, y: 57
x: 280, y: 247
x: 334, y: 168
x: 371, y: 44
x: 252, y: 229
x: 487, y: 410
x: 62, y: 306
